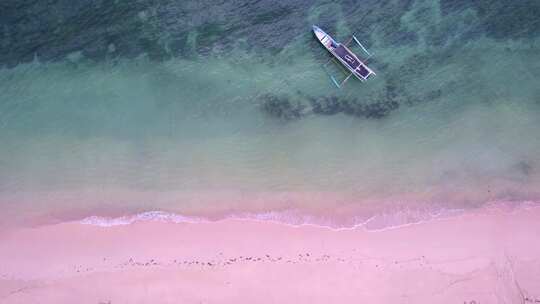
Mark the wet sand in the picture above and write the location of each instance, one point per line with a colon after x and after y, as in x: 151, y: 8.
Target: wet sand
x: 485, y: 256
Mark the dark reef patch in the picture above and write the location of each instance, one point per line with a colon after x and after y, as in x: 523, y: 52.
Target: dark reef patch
x: 524, y: 167
x: 53, y: 29
x: 504, y: 19
x: 376, y: 110
x: 432, y: 95
x: 100, y: 29
x: 375, y: 106
x: 281, y: 106
x: 331, y: 105
x: 383, y: 16
x: 327, y: 105
x: 414, y: 66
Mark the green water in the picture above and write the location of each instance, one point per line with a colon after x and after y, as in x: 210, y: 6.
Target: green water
x: 464, y: 131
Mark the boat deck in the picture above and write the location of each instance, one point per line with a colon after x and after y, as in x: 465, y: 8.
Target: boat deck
x: 347, y: 56
x: 351, y: 60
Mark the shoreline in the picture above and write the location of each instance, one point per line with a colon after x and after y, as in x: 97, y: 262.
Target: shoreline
x: 487, y: 256
x: 294, y: 208
x: 386, y: 220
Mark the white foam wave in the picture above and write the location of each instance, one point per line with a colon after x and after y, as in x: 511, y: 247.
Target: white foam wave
x: 160, y: 216
x: 290, y: 217
x: 403, y: 218
x: 378, y: 222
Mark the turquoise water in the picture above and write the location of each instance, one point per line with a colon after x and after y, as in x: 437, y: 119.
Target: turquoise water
x: 206, y: 108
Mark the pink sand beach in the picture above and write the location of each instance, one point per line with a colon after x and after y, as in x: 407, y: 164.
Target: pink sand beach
x: 484, y: 256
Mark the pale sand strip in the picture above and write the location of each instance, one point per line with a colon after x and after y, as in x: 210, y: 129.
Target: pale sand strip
x: 488, y: 256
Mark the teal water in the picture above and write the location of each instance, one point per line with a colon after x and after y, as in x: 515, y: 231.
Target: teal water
x: 206, y: 108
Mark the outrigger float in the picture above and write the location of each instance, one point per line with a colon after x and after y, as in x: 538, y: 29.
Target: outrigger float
x: 346, y: 57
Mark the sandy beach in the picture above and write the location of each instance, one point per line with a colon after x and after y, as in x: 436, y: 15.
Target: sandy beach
x: 200, y: 152
x: 487, y: 256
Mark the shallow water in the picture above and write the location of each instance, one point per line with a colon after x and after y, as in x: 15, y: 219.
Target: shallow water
x: 205, y: 108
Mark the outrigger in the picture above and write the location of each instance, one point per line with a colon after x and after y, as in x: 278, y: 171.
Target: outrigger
x: 347, y: 58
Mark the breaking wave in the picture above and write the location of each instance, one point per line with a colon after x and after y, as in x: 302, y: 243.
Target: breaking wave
x: 160, y: 216
x: 378, y: 222
x: 374, y: 223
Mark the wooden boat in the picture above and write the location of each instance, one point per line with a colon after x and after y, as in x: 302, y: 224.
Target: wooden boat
x: 346, y: 57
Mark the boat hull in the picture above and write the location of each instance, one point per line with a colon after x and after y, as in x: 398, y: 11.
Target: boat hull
x: 345, y: 56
